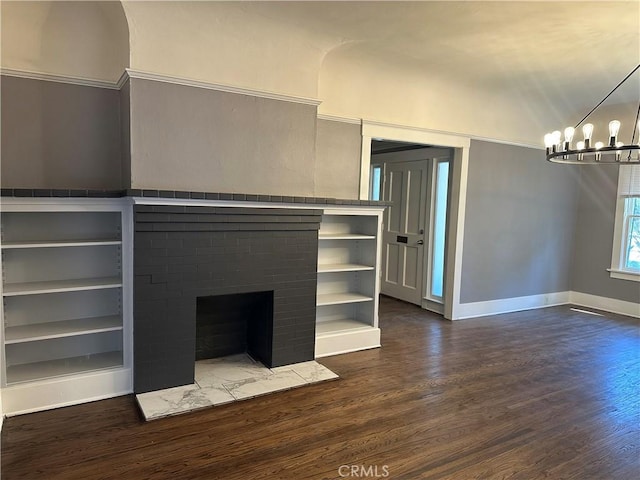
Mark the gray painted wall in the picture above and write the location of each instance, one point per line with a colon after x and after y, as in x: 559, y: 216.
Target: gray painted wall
x: 56, y: 135
x: 125, y: 133
x: 186, y: 138
x: 519, y: 223
x: 338, y: 147
x: 594, y: 236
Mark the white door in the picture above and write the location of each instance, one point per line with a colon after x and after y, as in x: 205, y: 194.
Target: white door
x: 405, y: 185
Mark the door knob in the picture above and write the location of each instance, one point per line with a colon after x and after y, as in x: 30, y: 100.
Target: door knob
x: 420, y: 242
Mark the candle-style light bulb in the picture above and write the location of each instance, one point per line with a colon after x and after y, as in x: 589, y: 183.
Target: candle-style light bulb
x: 599, y: 145
x: 548, y: 143
x: 618, y: 152
x: 580, y: 146
x: 614, y: 128
x: 557, y: 136
x: 568, y: 136
x: 587, y: 131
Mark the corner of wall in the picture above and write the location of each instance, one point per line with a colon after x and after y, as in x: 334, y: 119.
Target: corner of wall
x: 611, y: 305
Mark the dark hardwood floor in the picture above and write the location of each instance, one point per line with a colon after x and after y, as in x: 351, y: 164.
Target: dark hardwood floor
x: 548, y: 393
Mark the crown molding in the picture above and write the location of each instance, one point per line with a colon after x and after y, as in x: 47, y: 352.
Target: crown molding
x: 124, y: 78
x: 157, y: 77
x: 335, y: 118
x: 51, y: 77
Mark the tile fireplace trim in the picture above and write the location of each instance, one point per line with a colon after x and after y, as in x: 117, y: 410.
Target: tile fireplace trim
x: 139, y: 195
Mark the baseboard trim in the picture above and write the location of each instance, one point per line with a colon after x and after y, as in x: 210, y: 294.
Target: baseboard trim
x: 516, y: 304
x: 611, y: 305
x: 347, y: 342
x: 65, y: 391
x: 508, y: 305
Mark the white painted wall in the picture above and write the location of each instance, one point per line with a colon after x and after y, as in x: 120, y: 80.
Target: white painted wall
x: 78, y: 39
x: 223, y: 42
x: 355, y: 84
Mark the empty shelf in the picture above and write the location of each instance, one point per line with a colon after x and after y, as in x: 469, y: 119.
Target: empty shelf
x: 66, y: 366
x: 65, y: 328
x: 340, y: 326
x: 34, y: 288
x: 338, y: 298
x: 342, y: 267
x: 60, y: 243
x: 345, y: 236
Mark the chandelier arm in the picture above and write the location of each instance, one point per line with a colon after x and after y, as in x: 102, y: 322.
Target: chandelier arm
x: 635, y: 125
x: 608, y: 95
x: 635, y: 128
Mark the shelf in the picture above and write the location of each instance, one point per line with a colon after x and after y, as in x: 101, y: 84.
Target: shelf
x: 340, y: 298
x: 35, y: 288
x: 345, y: 236
x: 60, y: 243
x: 66, y: 366
x: 342, y: 267
x: 66, y: 328
x: 340, y: 326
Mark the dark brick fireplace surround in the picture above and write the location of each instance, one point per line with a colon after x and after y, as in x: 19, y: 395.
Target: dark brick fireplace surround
x: 183, y: 253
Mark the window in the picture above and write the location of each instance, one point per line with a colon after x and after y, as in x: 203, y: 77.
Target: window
x: 625, y: 261
x: 375, y: 189
x: 438, y: 229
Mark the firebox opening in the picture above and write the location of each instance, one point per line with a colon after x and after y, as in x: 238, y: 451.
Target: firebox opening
x: 237, y: 323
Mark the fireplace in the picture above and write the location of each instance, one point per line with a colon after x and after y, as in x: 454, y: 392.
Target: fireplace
x: 237, y: 323
x: 190, y: 256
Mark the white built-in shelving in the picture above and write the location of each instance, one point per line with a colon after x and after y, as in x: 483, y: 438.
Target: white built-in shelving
x: 348, y: 281
x: 64, y: 302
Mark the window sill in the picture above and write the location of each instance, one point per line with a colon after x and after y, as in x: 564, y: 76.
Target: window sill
x: 624, y: 274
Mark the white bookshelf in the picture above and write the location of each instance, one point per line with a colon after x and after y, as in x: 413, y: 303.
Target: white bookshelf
x: 325, y: 299
x: 57, y: 286
x: 65, y: 366
x: 64, y: 328
x: 65, y: 308
x: 348, y: 280
x: 343, y: 267
x: 62, y: 243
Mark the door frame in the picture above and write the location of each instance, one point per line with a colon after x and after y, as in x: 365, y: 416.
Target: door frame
x: 458, y: 192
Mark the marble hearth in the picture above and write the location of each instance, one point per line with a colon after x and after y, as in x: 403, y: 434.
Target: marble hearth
x: 229, y: 379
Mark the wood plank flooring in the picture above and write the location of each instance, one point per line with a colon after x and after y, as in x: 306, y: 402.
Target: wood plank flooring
x: 548, y: 393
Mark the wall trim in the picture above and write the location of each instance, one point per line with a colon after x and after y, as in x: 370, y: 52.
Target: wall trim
x: 508, y: 305
x: 52, y: 77
x: 334, y: 118
x: 455, y: 134
x: 532, y: 302
x: 158, y: 77
x: 611, y: 305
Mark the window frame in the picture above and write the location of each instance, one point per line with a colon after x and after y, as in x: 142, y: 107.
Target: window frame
x: 621, y: 238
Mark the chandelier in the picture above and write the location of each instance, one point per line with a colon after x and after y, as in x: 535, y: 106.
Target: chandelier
x: 588, y: 152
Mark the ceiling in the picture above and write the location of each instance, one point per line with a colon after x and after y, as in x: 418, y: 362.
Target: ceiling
x: 572, y: 52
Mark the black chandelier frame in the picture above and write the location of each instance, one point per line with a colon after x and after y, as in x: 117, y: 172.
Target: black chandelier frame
x: 613, y: 153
